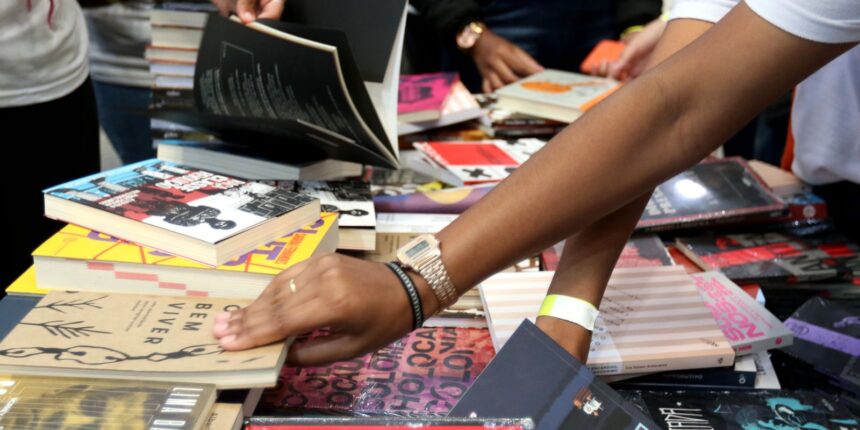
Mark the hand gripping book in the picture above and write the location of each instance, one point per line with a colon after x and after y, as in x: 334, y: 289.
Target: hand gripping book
x: 32, y: 402
x: 323, y: 86
x: 80, y: 259
x: 651, y: 319
x: 200, y: 215
x: 532, y: 376
x: 119, y: 336
x: 748, y: 326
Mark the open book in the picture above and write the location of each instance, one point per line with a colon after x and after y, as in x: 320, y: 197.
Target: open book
x: 298, y: 86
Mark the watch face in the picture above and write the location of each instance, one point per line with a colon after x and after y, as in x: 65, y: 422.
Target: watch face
x: 415, y: 250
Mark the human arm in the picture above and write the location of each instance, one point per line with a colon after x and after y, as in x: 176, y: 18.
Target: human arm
x: 653, y: 128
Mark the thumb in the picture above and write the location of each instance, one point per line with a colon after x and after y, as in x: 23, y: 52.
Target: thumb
x: 247, y: 10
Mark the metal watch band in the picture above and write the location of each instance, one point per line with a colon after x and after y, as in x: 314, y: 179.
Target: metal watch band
x: 433, y: 271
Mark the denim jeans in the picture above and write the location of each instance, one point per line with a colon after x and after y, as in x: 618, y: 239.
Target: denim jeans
x: 122, y: 114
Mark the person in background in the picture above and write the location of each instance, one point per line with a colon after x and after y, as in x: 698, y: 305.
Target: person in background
x: 119, y: 32
x: 594, y: 178
x: 47, y: 99
x: 494, y: 43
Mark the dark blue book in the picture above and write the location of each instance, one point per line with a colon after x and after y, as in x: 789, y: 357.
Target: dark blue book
x: 12, y: 310
x: 532, y: 376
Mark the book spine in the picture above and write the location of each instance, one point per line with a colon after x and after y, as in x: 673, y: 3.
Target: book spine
x: 707, y: 379
x: 662, y: 364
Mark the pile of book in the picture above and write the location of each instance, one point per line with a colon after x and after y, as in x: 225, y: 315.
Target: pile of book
x: 734, y: 305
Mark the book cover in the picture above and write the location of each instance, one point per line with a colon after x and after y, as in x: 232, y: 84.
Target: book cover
x: 770, y: 258
x: 718, y: 378
x: 460, y: 106
x: 13, y: 308
x: 77, y: 258
x: 445, y: 201
x: 532, y: 376
x: 421, y: 97
x: 555, y: 94
x: 480, y: 162
x: 827, y: 336
x: 134, y: 337
x: 606, y: 50
x: 732, y: 410
x: 644, y: 251
x: 747, y: 325
x: 225, y: 416
x: 387, y: 423
x: 28, y: 402
x: 424, y: 373
x: 195, y: 203
x: 712, y: 192
x: 25, y: 285
x: 351, y: 200
x: 651, y: 319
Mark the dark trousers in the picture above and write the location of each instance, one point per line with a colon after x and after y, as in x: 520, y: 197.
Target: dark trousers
x: 56, y: 141
x: 122, y: 114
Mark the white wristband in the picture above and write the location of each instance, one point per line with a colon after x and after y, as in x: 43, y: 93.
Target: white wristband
x: 570, y: 309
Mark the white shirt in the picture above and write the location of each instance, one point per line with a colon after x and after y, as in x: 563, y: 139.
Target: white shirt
x: 119, y: 33
x: 825, y: 117
x: 43, y: 54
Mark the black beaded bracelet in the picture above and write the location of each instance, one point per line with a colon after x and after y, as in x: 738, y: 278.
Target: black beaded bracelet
x: 411, y: 292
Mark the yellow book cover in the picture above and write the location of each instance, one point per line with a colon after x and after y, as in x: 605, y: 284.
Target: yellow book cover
x: 79, y: 243
x: 26, y: 284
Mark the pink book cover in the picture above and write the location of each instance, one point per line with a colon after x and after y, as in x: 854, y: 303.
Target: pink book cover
x: 424, y: 92
x: 747, y: 325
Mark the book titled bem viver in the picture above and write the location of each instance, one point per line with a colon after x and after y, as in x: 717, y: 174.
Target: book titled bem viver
x: 196, y: 214
x: 123, y: 336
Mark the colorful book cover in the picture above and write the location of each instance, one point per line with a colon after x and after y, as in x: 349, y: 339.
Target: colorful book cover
x: 134, y: 337
x: 827, y: 336
x: 651, y: 319
x: 203, y: 205
x: 532, y: 376
x: 424, y: 92
x: 424, y: 373
x: 607, y: 50
x: 26, y: 284
x: 114, y: 264
x: 483, y: 161
x: 748, y: 326
x: 714, y: 191
x: 387, y: 423
x: 28, y: 402
x: 775, y: 257
x: 751, y: 410
x: 446, y: 201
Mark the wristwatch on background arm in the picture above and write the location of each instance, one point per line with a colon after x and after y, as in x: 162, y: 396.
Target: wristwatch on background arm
x: 469, y: 35
x: 424, y: 255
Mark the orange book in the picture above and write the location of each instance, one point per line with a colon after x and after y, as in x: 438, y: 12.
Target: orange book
x: 607, y: 50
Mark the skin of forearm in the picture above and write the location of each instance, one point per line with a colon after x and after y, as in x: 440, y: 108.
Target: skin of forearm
x: 655, y: 127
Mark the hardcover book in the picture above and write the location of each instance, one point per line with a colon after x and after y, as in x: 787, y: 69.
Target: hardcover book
x: 556, y: 390
x: 651, y: 319
x: 555, y: 94
x: 748, y: 326
x: 203, y: 216
x: 774, y: 257
x: 30, y: 402
x: 472, y: 163
x: 80, y: 259
x: 732, y: 410
x: 152, y: 338
x: 422, y: 374
x: 301, y: 85
x: 715, y: 191
x: 827, y: 336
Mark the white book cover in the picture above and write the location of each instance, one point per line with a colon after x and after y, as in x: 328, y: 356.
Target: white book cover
x: 748, y: 326
x: 350, y: 199
x: 651, y: 319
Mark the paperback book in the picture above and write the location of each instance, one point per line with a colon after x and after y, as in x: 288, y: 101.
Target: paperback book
x: 200, y: 215
x: 651, y: 319
x: 555, y: 94
x: 472, y: 163
x: 80, y: 259
x: 150, y: 338
x: 352, y: 202
x: 433, y: 100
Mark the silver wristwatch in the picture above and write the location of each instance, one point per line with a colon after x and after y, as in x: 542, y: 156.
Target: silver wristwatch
x: 424, y: 256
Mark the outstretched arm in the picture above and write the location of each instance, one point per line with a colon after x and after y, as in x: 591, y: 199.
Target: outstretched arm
x: 653, y: 128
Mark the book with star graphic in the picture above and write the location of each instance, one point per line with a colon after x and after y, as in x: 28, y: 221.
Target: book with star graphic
x: 118, y: 336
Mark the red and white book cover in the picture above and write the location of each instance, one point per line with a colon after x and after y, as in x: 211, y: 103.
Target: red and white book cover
x: 480, y: 162
x: 747, y: 325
